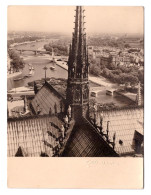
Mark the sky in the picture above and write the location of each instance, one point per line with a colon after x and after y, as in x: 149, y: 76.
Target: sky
x: 60, y: 19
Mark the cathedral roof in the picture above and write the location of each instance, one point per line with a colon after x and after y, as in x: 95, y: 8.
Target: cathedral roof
x: 59, y: 84
x: 37, y: 135
x: 85, y: 141
x: 40, y: 135
x: 124, y: 123
x: 45, y: 98
x: 32, y: 136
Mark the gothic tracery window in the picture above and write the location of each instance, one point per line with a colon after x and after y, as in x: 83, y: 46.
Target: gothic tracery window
x: 77, y: 95
x: 85, y: 93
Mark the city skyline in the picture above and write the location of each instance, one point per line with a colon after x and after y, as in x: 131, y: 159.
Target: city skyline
x: 103, y: 20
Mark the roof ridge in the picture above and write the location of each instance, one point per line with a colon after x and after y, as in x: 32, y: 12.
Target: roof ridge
x: 31, y: 117
x: 133, y: 107
x: 52, y: 88
x: 94, y: 129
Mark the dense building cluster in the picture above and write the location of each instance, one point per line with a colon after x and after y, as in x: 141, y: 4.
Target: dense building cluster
x: 118, y: 57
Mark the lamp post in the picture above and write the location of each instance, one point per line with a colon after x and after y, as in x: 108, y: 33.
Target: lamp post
x: 45, y: 69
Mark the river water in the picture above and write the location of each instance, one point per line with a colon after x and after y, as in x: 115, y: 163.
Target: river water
x: 40, y: 61
x: 38, y: 64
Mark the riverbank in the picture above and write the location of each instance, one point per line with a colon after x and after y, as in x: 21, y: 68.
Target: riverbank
x: 13, y: 75
x: 97, y: 80
x: 130, y: 96
x: 17, y: 92
x: 40, y: 61
x: 101, y: 81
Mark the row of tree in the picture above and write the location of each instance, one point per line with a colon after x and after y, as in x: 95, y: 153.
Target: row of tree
x: 120, y: 74
x: 22, y: 39
x: 120, y: 78
x: 16, y: 62
x: 98, y: 41
x: 118, y: 43
x: 59, y: 49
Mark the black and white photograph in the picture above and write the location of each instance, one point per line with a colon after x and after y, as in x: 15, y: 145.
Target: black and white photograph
x: 75, y: 81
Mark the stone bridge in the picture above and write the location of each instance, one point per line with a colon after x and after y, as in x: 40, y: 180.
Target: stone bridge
x: 33, y: 50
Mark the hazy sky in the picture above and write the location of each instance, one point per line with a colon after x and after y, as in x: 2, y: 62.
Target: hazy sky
x: 60, y: 19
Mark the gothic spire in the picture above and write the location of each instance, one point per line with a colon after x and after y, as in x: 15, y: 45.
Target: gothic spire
x: 78, y: 85
x: 78, y: 55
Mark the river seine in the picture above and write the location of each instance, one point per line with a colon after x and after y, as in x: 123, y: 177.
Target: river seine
x: 38, y: 62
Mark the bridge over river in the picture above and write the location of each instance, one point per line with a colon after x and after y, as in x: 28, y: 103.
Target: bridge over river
x: 33, y: 50
x: 39, y: 62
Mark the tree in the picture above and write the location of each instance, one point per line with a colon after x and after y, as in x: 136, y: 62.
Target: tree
x: 106, y: 72
x: 58, y: 47
x: 94, y: 69
x: 127, y: 45
x: 16, y: 63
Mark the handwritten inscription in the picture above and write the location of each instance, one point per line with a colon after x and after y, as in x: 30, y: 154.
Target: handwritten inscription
x: 96, y: 163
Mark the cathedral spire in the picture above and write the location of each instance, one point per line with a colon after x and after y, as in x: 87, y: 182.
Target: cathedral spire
x: 78, y: 84
x: 77, y: 59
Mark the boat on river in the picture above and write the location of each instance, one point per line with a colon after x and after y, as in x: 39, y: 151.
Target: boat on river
x: 52, y: 68
x: 26, y: 76
x: 94, y: 94
x: 30, y: 73
x: 30, y: 67
x: 19, y: 78
x: 110, y: 92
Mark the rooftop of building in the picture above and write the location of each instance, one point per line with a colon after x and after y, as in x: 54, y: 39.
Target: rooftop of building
x: 124, y: 123
x: 85, y: 141
x: 33, y: 135
x: 36, y: 136
x: 43, y: 101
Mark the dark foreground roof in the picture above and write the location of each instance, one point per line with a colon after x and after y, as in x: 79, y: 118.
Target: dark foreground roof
x: 39, y: 135
x: 85, y: 141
